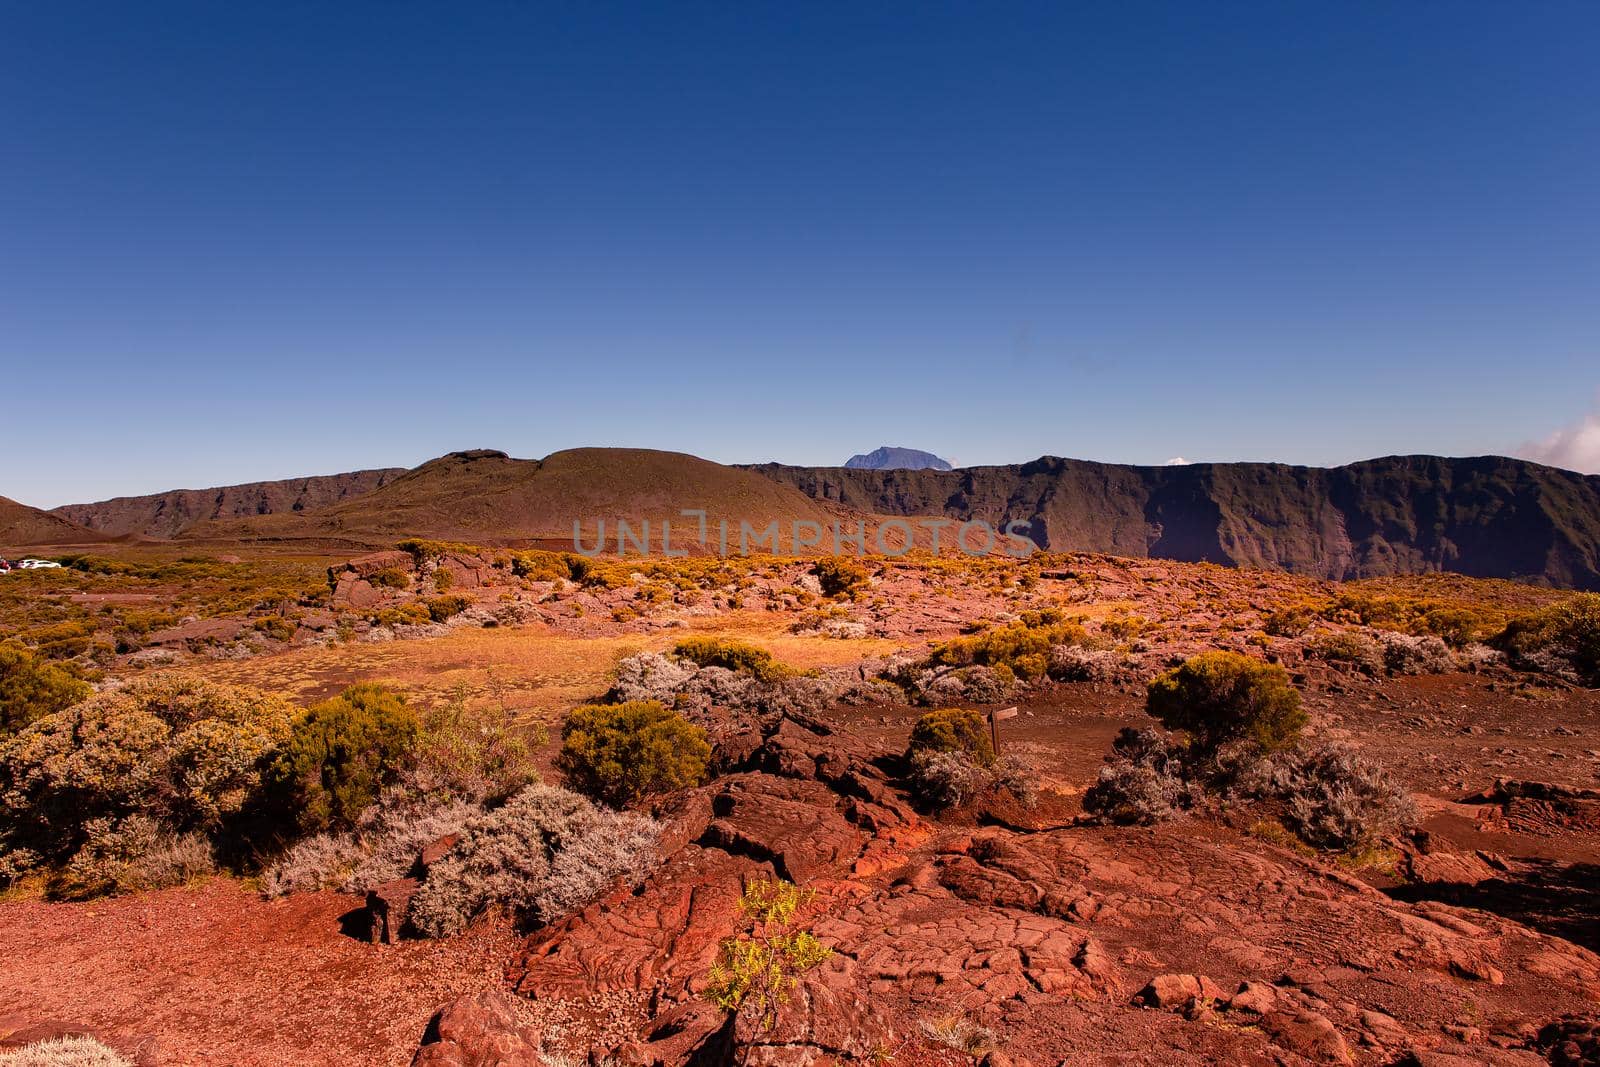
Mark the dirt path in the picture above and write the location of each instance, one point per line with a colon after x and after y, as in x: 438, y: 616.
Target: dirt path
x: 211, y: 974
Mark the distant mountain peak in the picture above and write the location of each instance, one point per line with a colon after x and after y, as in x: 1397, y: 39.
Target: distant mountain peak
x: 890, y: 458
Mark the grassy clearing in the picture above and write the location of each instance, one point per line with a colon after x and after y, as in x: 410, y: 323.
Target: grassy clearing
x: 539, y: 674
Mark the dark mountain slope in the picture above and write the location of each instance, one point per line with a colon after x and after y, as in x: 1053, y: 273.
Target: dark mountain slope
x: 488, y: 497
x: 22, y: 526
x: 1487, y: 516
x: 169, y: 514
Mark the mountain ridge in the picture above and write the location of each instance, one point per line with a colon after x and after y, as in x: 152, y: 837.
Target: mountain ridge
x: 168, y: 514
x: 1488, y: 516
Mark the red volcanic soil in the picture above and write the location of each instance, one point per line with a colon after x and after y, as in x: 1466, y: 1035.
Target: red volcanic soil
x: 212, y: 974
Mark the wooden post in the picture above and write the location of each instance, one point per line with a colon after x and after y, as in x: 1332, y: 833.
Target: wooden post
x: 994, y: 725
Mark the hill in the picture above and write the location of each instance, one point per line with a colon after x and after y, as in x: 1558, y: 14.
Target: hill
x: 1487, y: 516
x: 169, y: 514
x: 889, y: 457
x: 22, y: 526
x: 488, y: 497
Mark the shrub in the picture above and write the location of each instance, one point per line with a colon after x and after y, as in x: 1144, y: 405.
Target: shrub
x: 441, y: 608
x: 390, y: 578
x: 544, y: 854
x: 320, y: 861
x: 1023, y: 646
x: 31, y: 689
x: 942, y: 780
x: 1218, y: 697
x: 1403, y: 654
x: 618, y: 752
x: 953, y: 730
x: 392, y: 835
x: 757, y: 970
x: 479, y: 755
x: 1073, y: 663
x: 75, y: 1050
x: 1144, y: 782
x: 132, y: 854
x: 1358, y: 650
x: 276, y: 627
x: 1336, y: 798
x: 189, y: 754
x: 1290, y: 621
x: 341, y: 753
x: 651, y: 676
x: 732, y: 655
x: 838, y: 576
x: 1564, y: 638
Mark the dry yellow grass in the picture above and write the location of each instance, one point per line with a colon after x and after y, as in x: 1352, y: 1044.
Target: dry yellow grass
x: 538, y: 673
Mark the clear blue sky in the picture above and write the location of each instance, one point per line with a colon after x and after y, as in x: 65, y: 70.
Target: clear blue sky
x: 242, y: 241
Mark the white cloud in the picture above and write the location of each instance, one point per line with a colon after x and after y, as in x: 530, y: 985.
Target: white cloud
x: 1177, y: 461
x: 1575, y: 447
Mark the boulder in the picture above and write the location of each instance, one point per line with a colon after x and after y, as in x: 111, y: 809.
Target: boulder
x: 481, y: 1030
x: 1308, y: 1034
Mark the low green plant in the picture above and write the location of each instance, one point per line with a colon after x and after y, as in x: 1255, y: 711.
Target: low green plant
x: 276, y: 627
x: 953, y: 730
x: 30, y: 689
x: 445, y: 607
x: 390, y: 578
x: 1022, y: 646
x: 757, y: 970
x: 619, y: 752
x: 732, y: 655
x: 340, y: 754
x: 840, y: 576
x: 1565, y: 634
x: 189, y: 754
x: 1222, y: 697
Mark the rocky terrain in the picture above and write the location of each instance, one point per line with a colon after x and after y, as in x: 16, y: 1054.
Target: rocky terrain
x: 170, y: 514
x: 993, y: 931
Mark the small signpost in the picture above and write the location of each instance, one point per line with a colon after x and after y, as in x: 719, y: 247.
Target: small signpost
x: 994, y: 725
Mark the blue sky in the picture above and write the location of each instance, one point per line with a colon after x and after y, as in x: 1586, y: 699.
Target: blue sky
x: 253, y: 241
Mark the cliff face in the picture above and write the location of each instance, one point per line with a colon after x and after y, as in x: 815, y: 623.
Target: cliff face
x: 1487, y: 516
x: 169, y: 514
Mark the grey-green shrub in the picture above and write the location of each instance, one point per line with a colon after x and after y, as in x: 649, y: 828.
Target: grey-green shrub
x: 547, y: 852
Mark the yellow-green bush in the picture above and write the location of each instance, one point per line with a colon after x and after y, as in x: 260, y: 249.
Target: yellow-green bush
x: 423, y: 549
x: 619, y: 752
x: 1566, y: 633
x: 1023, y: 646
x: 276, y: 627
x: 1221, y: 697
x: 340, y: 755
x: 31, y: 689
x: 953, y: 730
x: 190, y: 754
x: 839, y: 576
x: 445, y: 607
x: 390, y: 578
x: 732, y: 655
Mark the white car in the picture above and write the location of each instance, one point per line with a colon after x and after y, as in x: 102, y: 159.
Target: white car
x: 38, y: 565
